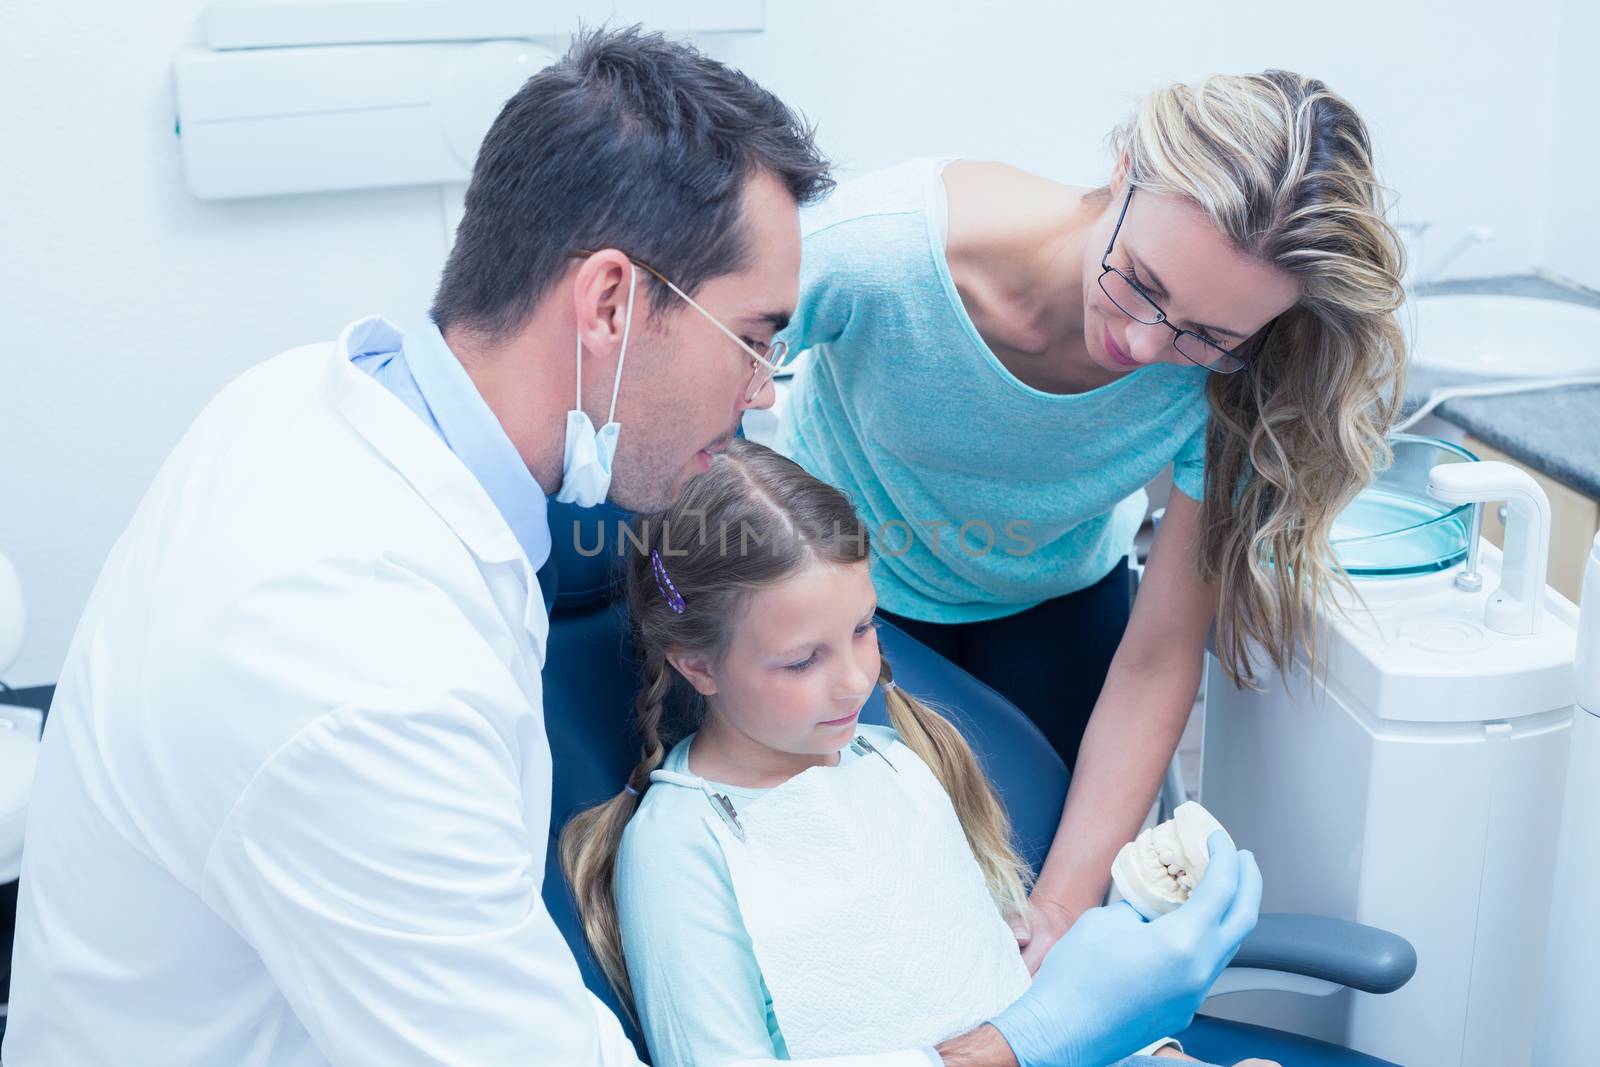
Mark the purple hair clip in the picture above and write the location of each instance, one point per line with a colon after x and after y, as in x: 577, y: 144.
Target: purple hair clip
x: 664, y: 583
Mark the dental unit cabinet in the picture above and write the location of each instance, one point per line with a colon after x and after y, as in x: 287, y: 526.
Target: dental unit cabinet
x: 1414, y: 779
x: 1570, y: 1000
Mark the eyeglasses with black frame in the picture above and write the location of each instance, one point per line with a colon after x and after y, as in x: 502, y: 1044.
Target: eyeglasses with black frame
x: 1131, y: 299
x: 766, y: 358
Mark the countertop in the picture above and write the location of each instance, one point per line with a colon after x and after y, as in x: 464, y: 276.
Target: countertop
x: 1556, y: 431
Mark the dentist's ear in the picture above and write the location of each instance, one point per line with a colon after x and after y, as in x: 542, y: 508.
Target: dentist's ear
x: 600, y: 299
x: 697, y: 669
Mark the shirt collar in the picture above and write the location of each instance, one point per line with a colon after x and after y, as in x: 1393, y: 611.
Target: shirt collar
x: 474, y: 433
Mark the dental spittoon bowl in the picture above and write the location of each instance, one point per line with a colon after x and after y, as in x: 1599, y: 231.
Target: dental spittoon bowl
x: 1395, y: 529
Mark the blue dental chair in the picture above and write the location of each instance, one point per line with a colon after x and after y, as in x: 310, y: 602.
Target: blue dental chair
x: 589, y: 686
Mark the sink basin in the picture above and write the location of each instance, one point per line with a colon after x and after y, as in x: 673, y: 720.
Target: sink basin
x: 1395, y: 528
x: 1494, y: 336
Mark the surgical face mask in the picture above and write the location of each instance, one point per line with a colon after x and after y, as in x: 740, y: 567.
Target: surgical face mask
x: 586, y: 463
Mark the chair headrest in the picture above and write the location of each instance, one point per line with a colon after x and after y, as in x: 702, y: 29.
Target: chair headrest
x: 587, y: 545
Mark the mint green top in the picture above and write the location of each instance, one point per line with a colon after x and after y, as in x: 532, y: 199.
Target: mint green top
x: 696, y: 983
x: 905, y: 408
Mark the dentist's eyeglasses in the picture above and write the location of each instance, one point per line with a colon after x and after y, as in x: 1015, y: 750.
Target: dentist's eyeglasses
x: 766, y: 359
x: 1131, y: 299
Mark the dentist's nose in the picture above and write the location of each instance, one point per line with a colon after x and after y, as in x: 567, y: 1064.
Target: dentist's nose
x: 763, y: 399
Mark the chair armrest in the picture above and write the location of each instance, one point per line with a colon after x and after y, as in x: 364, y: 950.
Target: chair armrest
x: 1334, y: 950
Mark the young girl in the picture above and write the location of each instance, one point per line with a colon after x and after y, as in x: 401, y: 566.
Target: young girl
x: 786, y: 882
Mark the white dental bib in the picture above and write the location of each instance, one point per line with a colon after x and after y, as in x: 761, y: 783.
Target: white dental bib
x: 871, y: 922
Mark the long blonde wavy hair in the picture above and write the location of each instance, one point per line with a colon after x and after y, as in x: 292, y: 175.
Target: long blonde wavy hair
x: 1284, y: 168
x: 751, y: 521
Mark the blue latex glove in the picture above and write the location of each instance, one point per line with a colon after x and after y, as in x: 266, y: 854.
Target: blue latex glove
x: 1114, y: 983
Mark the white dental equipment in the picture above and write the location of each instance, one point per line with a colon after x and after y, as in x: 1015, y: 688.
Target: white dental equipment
x: 1516, y: 607
x: 267, y: 121
x: 1571, y: 985
x: 1413, y: 780
x: 290, y: 96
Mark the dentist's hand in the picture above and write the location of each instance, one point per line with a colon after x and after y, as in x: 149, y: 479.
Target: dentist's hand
x: 1115, y: 983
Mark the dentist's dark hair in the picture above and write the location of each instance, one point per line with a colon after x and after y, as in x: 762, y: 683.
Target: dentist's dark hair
x: 632, y: 142
x: 755, y: 519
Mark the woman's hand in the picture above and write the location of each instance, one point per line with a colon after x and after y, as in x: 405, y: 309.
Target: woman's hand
x: 1043, y: 926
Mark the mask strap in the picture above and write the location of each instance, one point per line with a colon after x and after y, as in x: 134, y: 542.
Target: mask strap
x: 578, y: 404
x: 627, y: 325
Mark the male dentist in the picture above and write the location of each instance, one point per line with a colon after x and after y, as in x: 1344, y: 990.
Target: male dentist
x: 294, y: 796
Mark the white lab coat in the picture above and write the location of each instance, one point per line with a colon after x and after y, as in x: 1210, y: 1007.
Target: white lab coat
x: 294, y: 796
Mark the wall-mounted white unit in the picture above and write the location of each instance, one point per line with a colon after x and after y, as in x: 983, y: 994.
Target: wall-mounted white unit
x: 298, y: 96
x: 282, y: 23
x: 297, y: 120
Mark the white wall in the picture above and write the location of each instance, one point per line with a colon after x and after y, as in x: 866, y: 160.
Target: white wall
x: 1572, y: 217
x: 1457, y: 95
x: 125, y: 303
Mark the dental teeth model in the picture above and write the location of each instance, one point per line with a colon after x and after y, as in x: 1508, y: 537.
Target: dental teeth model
x: 1156, y: 871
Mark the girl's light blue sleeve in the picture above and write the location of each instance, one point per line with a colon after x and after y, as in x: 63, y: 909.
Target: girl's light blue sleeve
x: 696, y: 984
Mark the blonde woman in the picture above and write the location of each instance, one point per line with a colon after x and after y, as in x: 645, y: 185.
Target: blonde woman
x: 785, y: 883
x: 1001, y: 363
